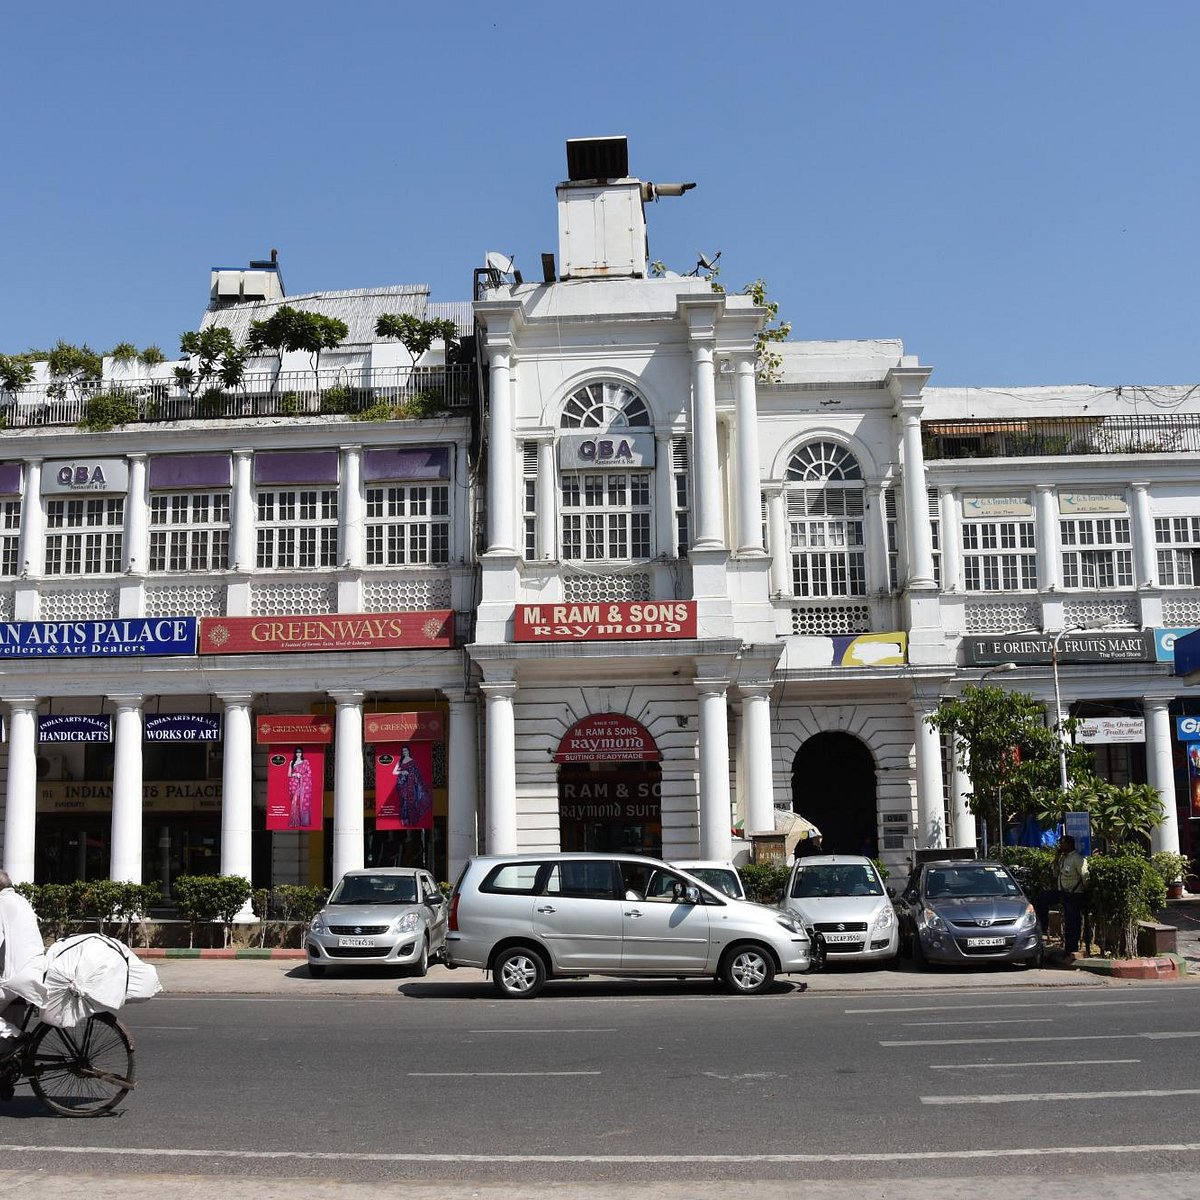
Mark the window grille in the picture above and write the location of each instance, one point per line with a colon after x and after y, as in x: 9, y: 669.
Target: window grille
x: 297, y: 528
x: 189, y: 531
x: 408, y: 525
x: 84, y: 536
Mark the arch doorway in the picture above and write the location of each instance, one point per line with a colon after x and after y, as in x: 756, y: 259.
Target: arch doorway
x: 833, y: 786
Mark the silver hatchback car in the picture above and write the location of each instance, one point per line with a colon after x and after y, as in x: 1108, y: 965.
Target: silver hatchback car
x: 379, y: 917
x: 527, y: 918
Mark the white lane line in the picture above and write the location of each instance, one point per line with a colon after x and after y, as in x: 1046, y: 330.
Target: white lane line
x: 492, y: 1031
x: 609, y: 1159
x: 1062, y: 1062
x: 985, y: 1021
x: 491, y: 1074
x: 1055, y: 1097
x: 1064, y: 1037
x: 915, y: 1008
x: 163, y: 1028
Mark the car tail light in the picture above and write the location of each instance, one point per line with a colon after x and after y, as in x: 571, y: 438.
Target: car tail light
x: 454, y: 913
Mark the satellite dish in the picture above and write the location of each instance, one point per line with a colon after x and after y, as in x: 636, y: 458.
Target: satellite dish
x: 500, y: 263
x: 707, y: 263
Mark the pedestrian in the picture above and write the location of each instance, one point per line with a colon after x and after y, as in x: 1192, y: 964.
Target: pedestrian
x: 21, y: 948
x: 1069, y: 873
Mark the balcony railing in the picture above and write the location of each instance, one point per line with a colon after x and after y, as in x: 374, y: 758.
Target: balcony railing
x: 1168, y: 433
x: 412, y: 392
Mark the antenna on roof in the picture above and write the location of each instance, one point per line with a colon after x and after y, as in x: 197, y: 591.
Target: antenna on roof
x: 704, y: 263
x: 498, y: 266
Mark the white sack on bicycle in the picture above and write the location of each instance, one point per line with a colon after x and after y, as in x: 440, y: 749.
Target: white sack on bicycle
x: 91, y: 973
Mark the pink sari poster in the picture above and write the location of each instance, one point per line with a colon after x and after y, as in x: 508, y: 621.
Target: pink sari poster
x: 296, y: 787
x: 404, y: 785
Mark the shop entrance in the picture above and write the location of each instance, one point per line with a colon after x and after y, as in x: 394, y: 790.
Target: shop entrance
x: 833, y: 786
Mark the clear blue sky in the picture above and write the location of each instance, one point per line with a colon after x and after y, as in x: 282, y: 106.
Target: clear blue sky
x: 1010, y: 188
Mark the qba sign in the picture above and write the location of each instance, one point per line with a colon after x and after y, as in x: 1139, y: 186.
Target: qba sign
x: 85, y: 475
x: 1086, y: 646
x: 578, y: 451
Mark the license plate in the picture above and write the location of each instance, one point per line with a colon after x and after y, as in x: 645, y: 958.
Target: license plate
x: 842, y: 937
x: 993, y: 941
x: 356, y: 941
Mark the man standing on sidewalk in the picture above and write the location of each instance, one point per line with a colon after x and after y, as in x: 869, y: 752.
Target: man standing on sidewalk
x: 1069, y: 872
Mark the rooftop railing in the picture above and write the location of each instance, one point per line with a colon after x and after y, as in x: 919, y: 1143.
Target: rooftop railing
x: 407, y: 392
x: 1167, y: 433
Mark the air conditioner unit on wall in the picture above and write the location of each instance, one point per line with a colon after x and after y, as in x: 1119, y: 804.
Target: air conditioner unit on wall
x: 52, y: 766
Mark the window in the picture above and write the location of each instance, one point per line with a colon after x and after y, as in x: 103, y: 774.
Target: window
x: 606, y: 515
x: 605, y: 405
x: 586, y: 879
x: 1178, y: 542
x: 825, y: 500
x: 999, y: 556
x: 1095, y: 553
x: 529, y: 458
x: 512, y: 878
x: 84, y: 537
x: 189, y: 531
x: 10, y: 537
x: 681, y: 473
x: 408, y: 524
x: 297, y: 528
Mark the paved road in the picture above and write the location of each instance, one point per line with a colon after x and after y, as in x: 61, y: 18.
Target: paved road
x: 437, y: 1082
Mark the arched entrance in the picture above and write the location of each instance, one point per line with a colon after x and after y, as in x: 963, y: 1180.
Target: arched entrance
x: 833, y: 786
x: 609, y: 787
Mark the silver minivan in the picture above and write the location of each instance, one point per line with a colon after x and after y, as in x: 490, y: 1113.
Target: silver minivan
x: 527, y: 918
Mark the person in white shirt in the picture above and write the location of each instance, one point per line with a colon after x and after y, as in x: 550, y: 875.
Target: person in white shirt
x: 21, y: 949
x: 1070, y: 872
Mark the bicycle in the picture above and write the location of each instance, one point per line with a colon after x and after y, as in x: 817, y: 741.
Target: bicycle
x: 81, y: 1072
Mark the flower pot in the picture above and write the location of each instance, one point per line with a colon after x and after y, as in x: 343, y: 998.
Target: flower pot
x: 1175, y: 891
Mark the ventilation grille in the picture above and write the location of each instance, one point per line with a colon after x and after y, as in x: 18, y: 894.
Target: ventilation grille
x: 597, y: 158
x: 1002, y: 618
x: 1122, y: 610
x: 413, y: 594
x: 199, y: 600
x: 79, y: 604
x: 298, y: 599
x: 842, y: 618
x: 1179, y: 612
x: 580, y: 588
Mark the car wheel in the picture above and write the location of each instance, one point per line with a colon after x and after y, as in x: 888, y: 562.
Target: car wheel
x: 518, y: 973
x: 747, y: 970
x: 420, y: 968
x: 819, y: 954
x: 316, y: 970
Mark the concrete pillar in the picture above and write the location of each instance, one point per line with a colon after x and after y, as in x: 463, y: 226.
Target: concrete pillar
x: 757, y: 758
x: 502, y: 497
x: 964, y: 830
x: 32, y: 555
x: 500, y: 769
x: 931, y: 808
x: 462, y: 814
x: 352, y: 504
x: 125, y: 863
x: 916, y: 504
x: 706, y: 474
x: 348, y: 820
x: 137, y: 519
x: 951, y: 540
x: 546, y: 522
x: 749, y: 486
x: 1160, y: 771
x: 1145, y: 548
x: 237, y: 805
x: 716, y: 841
x: 778, y: 542
x: 1049, y: 560
x: 20, y: 806
x: 666, y: 528
x: 875, y: 520
x: 243, y: 551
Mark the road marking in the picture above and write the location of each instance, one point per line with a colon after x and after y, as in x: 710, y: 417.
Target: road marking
x: 609, y: 1159
x: 1065, y: 1037
x: 915, y: 1008
x: 1027, y: 1097
x: 986, y: 1021
x: 541, y: 1031
x: 491, y: 1074
x: 1063, y: 1062
x: 163, y: 1028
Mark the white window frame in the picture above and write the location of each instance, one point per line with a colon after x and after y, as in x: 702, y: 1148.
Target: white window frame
x: 10, y: 538
x: 189, y: 531
x: 999, y: 555
x: 85, y: 535
x: 1097, y: 553
x: 1177, y: 546
x: 296, y: 527
x: 826, y: 511
x: 408, y: 524
x: 601, y: 520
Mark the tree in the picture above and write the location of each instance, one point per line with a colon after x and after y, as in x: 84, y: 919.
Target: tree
x: 72, y: 369
x: 1119, y: 814
x: 768, y: 362
x: 16, y: 371
x: 288, y: 329
x: 218, y: 359
x: 316, y: 332
x: 414, y: 334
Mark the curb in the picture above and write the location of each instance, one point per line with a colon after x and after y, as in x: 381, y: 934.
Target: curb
x: 1167, y: 968
x: 242, y: 952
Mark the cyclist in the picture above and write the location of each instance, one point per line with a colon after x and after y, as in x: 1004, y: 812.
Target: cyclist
x: 20, y: 949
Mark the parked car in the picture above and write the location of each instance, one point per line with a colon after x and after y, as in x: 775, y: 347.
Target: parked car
x: 958, y: 911
x: 842, y: 897
x: 721, y: 876
x: 379, y: 917
x: 529, y: 918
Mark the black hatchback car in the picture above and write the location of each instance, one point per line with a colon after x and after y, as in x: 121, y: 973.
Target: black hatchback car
x: 966, y: 911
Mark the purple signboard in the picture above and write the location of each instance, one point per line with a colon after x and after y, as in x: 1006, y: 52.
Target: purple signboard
x: 189, y: 471
x: 10, y: 479
x: 74, y: 727
x: 304, y: 466
x: 183, y: 727
x: 406, y: 462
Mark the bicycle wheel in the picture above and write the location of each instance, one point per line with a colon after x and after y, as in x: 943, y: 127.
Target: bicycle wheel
x: 85, y: 1071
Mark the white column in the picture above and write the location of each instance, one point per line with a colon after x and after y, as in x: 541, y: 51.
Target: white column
x: 348, y: 822
x: 758, y: 758
x: 237, y: 806
x: 461, y: 817
x: 877, y: 545
x: 965, y: 832
x: 1160, y: 771
x: 500, y: 769
x: 547, y: 498
x: 931, y: 808
x: 20, y: 806
x: 749, y: 469
x: 916, y: 503
x: 33, y: 521
x: 706, y: 475
x: 1049, y: 561
x: 716, y: 841
x: 502, y: 499
x: 1145, y: 556
x: 666, y: 527
x: 136, y: 548
x: 242, y: 552
x: 353, y: 507
x: 951, y: 539
x: 777, y: 538
x: 125, y: 862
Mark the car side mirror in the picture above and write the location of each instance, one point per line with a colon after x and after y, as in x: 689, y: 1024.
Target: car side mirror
x: 891, y: 891
x: 691, y: 894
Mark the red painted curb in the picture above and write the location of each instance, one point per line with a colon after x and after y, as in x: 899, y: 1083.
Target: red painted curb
x: 1146, y: 968
x: 183, y: 955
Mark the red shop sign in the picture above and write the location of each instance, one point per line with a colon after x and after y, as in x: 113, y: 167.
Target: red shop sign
x: 605, y: 621
x: 305, y: 728
x: 337, y: 631
x: 403, y: 727
x: 607, y: 737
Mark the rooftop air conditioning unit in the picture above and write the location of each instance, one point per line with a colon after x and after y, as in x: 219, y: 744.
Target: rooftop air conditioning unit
x: 51, y: 767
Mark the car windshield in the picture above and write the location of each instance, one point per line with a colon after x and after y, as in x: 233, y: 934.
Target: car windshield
x: 969, y: 881
x: 375, y: 889
x: 836, y: 879
x: 719, y: 879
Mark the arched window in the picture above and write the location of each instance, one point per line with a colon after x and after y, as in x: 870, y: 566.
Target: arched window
x: 606, y: 475
x: 825, y: 502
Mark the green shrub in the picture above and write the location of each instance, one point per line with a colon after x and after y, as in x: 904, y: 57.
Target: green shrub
x: 106, y: 411
x: 299, y: 904
x: 230, y: 893
x: 336, y: 401
x: 1122, y: 890
x: 1170, y: 867
x: 289, y: 405
x: 197, y: 901
x: 1032, y: 867
x: 764, y: 881
x: 211, y: 404
x: 106, y: 899
x: 382, y: 411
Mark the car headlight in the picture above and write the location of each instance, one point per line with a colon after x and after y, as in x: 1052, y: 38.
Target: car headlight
x: 406, y: 923
x: 791, y: 923
x: 1027, y: 918
x: 933, y: 921
x: 885, y: 920
x: 318, y: 923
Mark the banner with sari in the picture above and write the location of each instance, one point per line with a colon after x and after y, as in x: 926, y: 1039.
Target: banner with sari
x: 296, y: 787
x: 404, y: 785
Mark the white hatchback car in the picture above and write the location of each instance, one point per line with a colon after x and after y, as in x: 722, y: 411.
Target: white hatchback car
x: 722, y: 876
x: 842, y: 897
